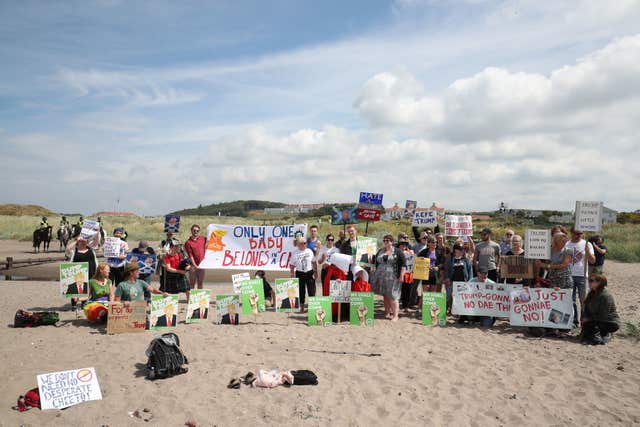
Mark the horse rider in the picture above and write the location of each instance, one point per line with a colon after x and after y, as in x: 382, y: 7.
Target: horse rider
x: 81, y: 221
x: 64, y: 222
x: 44, y: 223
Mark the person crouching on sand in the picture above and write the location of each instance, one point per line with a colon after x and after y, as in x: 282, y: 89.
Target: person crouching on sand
x: 600, y: 317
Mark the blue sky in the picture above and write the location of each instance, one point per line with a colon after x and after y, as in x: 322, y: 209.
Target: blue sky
x: 173, y: 104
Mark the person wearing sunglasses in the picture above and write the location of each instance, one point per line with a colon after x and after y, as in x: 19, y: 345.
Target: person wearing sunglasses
x: 579, y: 249
x: 390, y: 266
x: 505, y: 245
x: 195, y: 248
x: 324, y: 254
x: 600, y: 318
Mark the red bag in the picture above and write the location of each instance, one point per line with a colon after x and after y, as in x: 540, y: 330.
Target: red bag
x: 31, y: 399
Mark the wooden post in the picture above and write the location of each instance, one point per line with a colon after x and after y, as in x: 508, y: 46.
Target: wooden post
x: 9, y: 262
x: 339, y: 312
x: 366, y: 228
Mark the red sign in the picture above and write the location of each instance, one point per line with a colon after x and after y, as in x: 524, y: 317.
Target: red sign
x: 369, y: 214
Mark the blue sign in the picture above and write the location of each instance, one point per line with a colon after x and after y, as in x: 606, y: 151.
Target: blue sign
x: 344, y: 215
x: 371, y: 198
x: 146, y: 262
x: 171, y: 223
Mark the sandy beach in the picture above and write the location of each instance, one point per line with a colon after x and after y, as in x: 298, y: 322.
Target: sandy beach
x: 424, y: 376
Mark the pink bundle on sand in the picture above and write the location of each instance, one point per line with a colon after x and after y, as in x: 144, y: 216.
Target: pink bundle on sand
x: 272, y: 378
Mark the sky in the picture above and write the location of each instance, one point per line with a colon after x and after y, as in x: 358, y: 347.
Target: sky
x: 155, y: 106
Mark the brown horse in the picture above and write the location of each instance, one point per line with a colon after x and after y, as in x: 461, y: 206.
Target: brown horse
x: 42, y: 235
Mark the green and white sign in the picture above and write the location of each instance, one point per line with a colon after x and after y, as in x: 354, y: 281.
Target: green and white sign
x: 319, y: 310
x: 434, y: 308
x: 164, y: 312
x: 361, y: 310
x: 252, y: 296
x: 228, y: 307
x: 287, y: 295
x: 198, y: 305
x: 74, y: 279
x: 366, y: 248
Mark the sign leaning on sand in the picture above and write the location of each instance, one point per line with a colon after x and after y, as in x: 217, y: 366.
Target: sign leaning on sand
x: 74, y: 279
x: 59, y: 390
x: 125, y: 319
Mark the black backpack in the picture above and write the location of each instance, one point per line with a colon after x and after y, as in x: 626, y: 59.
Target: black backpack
x: 304, y: 377
x: 27, y: 319
x: 165, y: 357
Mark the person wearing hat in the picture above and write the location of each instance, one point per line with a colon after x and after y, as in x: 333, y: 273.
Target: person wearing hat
x: 303, y: 267
x: 117, y: 263
x: 132, y: 288
x: 487, y: 255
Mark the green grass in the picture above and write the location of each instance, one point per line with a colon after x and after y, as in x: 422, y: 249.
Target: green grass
x: 631, y: 330
x: 621, y: 239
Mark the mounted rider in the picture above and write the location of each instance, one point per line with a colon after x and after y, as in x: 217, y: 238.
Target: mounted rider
x: 43, y: 223
x: 64, y: 222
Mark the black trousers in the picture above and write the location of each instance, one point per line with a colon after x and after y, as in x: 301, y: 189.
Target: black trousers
x: 306, y: 283
x: 594, y: 331
x: 493, y: 275
x: 408, y: 294
x: 116, y: 275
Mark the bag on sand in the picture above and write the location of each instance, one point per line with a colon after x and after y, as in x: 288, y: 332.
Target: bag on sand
x: 31, y: 399
x: 304, y: 377
x: 165, y: 357
x: 26, y: 319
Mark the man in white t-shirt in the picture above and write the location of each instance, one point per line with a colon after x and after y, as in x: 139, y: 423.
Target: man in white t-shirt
x: 303, y: 267
x: 577, y: 247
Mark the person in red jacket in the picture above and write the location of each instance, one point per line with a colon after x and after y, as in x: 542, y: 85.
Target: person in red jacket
x: 195, y: 247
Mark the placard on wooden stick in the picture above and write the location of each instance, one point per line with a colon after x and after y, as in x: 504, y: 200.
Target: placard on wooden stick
x: 516, y: 267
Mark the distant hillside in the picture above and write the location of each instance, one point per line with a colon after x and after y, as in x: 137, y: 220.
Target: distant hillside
x: 19, y: 210
x: 238, y: 208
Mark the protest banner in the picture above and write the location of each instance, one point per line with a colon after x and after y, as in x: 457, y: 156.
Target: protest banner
x: 425, y: 218
x: 410, y: 207
x: 458, y: 225
x: 340, y: 290
x: 516, y: 267
x: 123, y: 319
x: 164, y: 312
x: 74, y: 279
x: 434, y: 308
x: 480, y: 299
x: 147, y: 263
x: 342, y: 215
x: 361, y: 309
x: 588, y: 216
x: 171, y: 223
x: 228, y: 307
x: 368, y: 214
x: 111, y: 247
x: 198, y: 305
x: 366, y: 248
x: 257, y: 247
x: 89, y: 229
x: 252, y: 292
x: 537, y: 244
x: 237, y: 280
x: 541, y: 307
x: 59, y: 390
x: 287, y: 295
x: 370, y: 198
x: 319, y: 311
x: 421, y: 267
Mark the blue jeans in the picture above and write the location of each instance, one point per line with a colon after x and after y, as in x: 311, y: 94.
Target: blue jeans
x: 578, y: 290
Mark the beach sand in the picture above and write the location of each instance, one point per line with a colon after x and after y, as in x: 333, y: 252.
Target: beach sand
x: 424, y: 376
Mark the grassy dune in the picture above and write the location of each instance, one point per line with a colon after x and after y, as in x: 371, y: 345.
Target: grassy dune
x: 621, y: 239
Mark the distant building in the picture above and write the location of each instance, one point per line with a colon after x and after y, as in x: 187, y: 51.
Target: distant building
x: 609, y: 216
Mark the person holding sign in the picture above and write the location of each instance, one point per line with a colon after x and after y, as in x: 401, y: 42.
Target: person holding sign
x: 387, y: 276
x: 303, y: 267
x: 516, y: 250
x: 269, y: 295
x: 600, y: 318
x: 579, y: 249
x: 81, y: 252
x: 559, y: 267
x: 458, y: 269
x: 436, y: 259
x: 132, y: 289
x: 117, y: 263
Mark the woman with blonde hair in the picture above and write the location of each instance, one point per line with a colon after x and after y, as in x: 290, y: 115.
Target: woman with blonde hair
x: 100, y: 286
x: 559, y: 266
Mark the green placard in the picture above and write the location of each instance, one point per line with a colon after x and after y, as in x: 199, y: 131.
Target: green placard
x: 74, y: 276
x: 361, y: 310
x: 252, y: 296
x: 164, y: 312
x: 287, y: 295
x: 228, y: 307
x: 198, y: 305
x: 434, y: 308
x: 319, y: 311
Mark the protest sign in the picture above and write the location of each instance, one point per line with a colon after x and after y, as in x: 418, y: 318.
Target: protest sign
x: 425, y: 218
x: 287, y: 295
x: 421, y: 268
x: 480, y: 299
x: 319, y: 311
x: 74, y: 279
x: 123, y: 319
x: 171, y: 223
x: 361, y: 310
x: 434, y: 308
x: 228, y: 307
x: 164, y: 312
x: 366, y: 248
x: 410, y: 208
x: 541, y: 307
x: 342, y: 215
x: 252, y: 292
x: 370, y: 198
x: 368, y: 214
x: 537, y: 244
x: 59, y: 390
x: 340, y: 290
x: 588, y: 216
x: 237, y: 280
x: 516, y: 267
x: 89, y: 229
x: 111, y: 247
x: 146, y: 262
x: 257, y: 247
x: 458, y: 225
x: 198, y: 305
x: 341, y: 261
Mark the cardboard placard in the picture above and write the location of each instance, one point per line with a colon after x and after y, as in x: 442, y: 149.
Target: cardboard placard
x: 368, y: 214
x: 516, y: 267
x: 366, y: 248
x: 537, y: 244
x: 287, y: 295
x: 588, y: 216
x: 425, y: 218
x: 89, y: 229
x: 74, y: 279
x: 123, y: 319
x: 361, y: 309
x: 198, y: 306
x: 237, y: 280
x: 59, y: 390
x: 111, y: 247
x: 421, y: 267
x: 458, y: 225
x: 370, y: 198
x: 228, y: 309
x: 252, y: 292
x: 340, y: 290
x: 434, y: 309
x: 541, y: 307
x: 319, y: 311
x: 164, y: 312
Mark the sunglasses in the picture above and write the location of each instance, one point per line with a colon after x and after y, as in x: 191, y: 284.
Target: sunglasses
x: 330, y: 240
x: 386, y: 240
x: 509, y: 234
x: 195, y: 231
